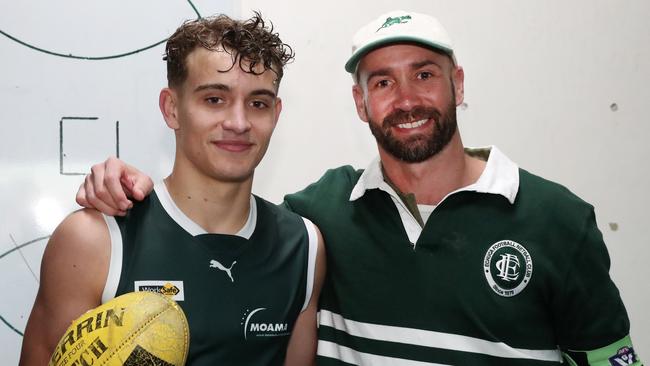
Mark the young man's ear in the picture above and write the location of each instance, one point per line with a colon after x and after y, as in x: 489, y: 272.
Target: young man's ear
x: 167, y: 102
x: 359, y: 102
x: 278, y: 109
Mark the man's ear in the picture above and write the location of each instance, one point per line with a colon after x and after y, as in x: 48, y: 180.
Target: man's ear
x: 167, y: 102
x: 459, y: 84
x: 360, y: 102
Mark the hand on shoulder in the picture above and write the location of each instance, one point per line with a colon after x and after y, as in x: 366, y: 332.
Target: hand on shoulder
x: 109, y: 186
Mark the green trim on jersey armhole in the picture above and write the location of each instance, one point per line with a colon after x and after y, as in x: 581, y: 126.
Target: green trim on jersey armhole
x: 616, y: 353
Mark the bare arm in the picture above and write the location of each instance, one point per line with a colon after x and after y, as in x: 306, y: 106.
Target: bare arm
x: 304, y: 339
x: 73, y: 274
x: 109, y: 186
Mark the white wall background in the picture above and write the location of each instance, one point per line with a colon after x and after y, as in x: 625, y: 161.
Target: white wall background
x: 559, y: 86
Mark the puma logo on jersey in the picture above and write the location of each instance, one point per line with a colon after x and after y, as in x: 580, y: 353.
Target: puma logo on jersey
x: 221, y: 267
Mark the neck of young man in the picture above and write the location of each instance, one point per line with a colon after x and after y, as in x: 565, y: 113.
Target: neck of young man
x: 433, y: 179
x: 219, y: 207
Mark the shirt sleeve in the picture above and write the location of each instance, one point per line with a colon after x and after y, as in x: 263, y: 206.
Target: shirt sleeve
x: 592, y: 323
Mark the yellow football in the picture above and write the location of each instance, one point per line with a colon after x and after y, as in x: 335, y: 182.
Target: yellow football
x: 138, y: 328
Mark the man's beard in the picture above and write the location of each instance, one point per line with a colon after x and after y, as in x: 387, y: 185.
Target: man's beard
x: 418, y: 148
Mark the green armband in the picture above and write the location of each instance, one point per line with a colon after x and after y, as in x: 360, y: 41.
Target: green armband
x: 619, y: 353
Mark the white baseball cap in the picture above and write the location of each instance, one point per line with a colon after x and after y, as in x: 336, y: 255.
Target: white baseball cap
x: 399, y: 27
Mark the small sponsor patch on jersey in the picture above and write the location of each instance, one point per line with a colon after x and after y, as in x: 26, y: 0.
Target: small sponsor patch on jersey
x: 261, y: 323
x: 172, y: 289
x: 508, y: 267
x: 624, y: 356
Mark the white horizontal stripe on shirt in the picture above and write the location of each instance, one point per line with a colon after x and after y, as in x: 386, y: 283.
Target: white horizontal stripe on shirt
x: 348, y: 355
x: 427, y: 338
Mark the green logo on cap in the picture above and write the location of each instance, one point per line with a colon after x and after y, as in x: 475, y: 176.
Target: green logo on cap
x: 392, y: 21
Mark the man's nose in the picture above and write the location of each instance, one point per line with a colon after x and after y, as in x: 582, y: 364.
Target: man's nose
x: 406, y: 97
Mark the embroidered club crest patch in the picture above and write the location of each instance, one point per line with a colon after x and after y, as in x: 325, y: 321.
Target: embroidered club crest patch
x: 508, y: 267
x: 624, y: 356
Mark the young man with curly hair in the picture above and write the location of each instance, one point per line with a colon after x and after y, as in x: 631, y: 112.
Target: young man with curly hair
x: 228, y: 254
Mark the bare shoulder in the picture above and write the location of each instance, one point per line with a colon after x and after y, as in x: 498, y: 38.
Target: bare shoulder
x: 80, y: 246
x: 78, y: 251
x: 85, y: 225
x: 73, y: 274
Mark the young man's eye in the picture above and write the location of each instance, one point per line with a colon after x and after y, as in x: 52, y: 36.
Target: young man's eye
x: 259, y: 104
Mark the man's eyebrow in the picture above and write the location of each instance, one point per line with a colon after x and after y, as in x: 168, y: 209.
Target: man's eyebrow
x: 216, y: 86
x: 417, y: 65
x: 414, y: 65
x: 380, y: 72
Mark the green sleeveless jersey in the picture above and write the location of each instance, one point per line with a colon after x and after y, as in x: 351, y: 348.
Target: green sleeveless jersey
x: 488, y: 282
x: 241, y: 293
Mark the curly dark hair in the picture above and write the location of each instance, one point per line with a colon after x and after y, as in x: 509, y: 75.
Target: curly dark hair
x: 250, y: 43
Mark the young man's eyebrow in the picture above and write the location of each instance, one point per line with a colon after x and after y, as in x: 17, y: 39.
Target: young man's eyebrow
x: 267, y: 92
x: 216, y: 86
x: 226, y: 88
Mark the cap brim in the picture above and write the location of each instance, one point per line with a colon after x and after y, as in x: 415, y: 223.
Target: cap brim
x: 351, y: 65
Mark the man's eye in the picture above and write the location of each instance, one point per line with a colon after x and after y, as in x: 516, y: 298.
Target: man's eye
x: 425, y: 75
x: 213, y: 100
x: 383, y: 83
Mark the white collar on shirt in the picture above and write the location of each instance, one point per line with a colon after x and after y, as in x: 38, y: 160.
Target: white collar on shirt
x: 500, y: 176
x: 192, y: 227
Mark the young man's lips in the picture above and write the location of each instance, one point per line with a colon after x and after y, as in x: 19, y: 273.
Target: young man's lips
x: 233, y: 146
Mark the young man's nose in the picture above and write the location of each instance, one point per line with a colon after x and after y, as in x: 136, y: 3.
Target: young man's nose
x: 237, y: 121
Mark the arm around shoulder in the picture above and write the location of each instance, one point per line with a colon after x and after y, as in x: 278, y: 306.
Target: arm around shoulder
x: 73, y: 273
x: 304, y: 339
